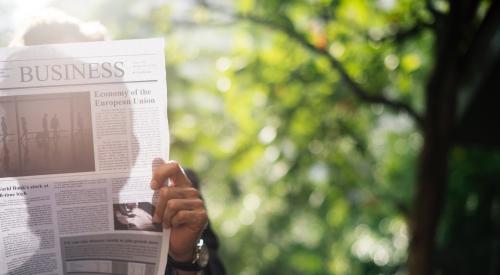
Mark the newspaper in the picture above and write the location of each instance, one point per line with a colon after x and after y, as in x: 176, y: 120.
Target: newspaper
x: 80, y: 126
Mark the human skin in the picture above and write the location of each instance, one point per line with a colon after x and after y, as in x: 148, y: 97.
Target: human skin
x: 179, y: 208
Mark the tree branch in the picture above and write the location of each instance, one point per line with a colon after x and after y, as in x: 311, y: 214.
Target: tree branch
x: 438, y: 16
x: 355, y: 87
x: 479, y: 59
x: 405, y: 34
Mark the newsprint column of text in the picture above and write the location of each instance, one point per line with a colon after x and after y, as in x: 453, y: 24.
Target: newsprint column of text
x: 80, y: 127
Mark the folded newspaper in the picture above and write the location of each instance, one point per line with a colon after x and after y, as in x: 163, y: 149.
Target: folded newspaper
x: 80, y: 126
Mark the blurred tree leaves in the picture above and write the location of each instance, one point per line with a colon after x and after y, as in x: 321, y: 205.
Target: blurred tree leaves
x: 299, y: 175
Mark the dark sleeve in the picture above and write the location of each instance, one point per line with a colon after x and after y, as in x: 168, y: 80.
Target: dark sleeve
x: 215, y: 265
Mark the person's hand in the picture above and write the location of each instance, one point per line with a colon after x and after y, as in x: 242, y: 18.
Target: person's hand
x: 179, y: 208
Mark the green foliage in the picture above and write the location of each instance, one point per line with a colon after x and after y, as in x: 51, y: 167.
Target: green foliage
x: 299, y: 175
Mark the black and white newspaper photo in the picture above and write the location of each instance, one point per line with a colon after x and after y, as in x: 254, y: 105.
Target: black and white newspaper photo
x: 80, y: 124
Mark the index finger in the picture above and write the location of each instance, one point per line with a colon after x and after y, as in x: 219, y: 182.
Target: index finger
x: 169, y: 170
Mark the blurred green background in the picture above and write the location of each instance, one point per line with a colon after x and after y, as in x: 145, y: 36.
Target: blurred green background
x: 302, y: 173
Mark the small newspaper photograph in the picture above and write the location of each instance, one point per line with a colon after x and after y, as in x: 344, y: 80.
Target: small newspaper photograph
x: 81, y: 124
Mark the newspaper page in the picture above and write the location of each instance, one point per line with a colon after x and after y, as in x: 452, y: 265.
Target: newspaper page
x: 80, y: 126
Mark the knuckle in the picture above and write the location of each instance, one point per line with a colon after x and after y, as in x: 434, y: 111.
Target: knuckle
x: 199, y: 203
x: 183, y: 215
x: 174, y: 164
x: 164, y: 192
x: 157, y: 172
x: 192, y: 192
x: 203, y: 216
x: 171, y: 204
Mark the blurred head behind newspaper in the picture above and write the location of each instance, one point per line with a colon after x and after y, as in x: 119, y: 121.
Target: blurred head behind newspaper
x: 52, y: 26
